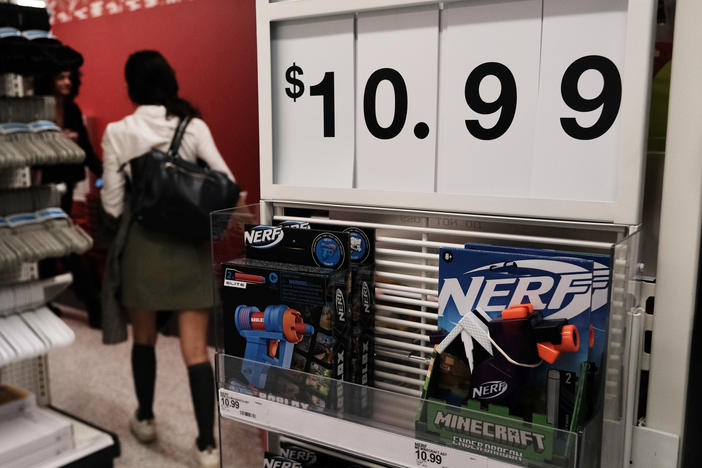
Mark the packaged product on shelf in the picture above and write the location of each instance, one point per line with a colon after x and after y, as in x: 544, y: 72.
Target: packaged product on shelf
x: 310, y: 458
x: 29, y: 435
x: 516, y: 365
x: 271, y: 460
x: 599, y: 308
x: 361, y: 345
x: 287, y: 305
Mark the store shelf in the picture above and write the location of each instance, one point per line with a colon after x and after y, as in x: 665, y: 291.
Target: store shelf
x: 35, y: 436
x: 30, y: 334
x: 92, y: 446
x: 30, y: 237
x: 391, y: 429
x: 31, y: 294
x: 37, y: 143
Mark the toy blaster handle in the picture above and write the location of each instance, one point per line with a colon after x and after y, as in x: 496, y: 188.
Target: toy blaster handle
x: 553, y: 337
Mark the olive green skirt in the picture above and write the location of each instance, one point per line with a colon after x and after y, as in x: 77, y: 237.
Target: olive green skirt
x: 160, y: 272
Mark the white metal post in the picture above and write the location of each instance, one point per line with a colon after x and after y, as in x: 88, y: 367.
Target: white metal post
x: 679, y: 248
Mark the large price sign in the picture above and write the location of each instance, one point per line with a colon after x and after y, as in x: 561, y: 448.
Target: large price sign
x: 497, y: 106
x: 314, y: 66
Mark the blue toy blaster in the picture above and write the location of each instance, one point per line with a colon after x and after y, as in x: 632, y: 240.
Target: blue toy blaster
x: 270, y: 338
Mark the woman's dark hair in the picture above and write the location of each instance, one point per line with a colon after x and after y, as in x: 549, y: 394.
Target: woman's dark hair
x: 44, y: 83
x: 151, y: 80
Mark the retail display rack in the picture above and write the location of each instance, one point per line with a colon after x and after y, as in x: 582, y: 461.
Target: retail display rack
x: 387, y: 114
x: 34, y: 228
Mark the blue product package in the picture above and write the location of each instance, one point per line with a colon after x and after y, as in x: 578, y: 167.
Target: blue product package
x: 599, y: 313
x: 558, y: 286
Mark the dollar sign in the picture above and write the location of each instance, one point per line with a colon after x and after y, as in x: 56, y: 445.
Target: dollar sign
x: 298, y: 87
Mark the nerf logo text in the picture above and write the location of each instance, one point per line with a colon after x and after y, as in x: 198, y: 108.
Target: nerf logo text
x: 278, y: 463
x: 340, y: 306
x: 263, y: 237
x: 299, y: 454
x: 491, y: 389
x: 562, y: 291
x: 366, y: 298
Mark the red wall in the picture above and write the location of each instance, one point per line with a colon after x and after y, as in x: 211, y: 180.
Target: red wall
x: 212, y: 46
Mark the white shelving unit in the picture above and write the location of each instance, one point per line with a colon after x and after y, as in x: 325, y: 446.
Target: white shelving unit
x: 412, y: 225
x: 28, y: 330
x: 87, y: 441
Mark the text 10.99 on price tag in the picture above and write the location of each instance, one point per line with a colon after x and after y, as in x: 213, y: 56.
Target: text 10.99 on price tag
x: 427, y: 455
x: 242, y: 407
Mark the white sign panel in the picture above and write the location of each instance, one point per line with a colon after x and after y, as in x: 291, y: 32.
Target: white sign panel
x: 577, y: 141
x: 313, y: 98
x: 396, y: 99
x: 499, y: 107
x: 490, y: 53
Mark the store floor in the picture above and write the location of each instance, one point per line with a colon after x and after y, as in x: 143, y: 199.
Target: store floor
x: 93, y: 382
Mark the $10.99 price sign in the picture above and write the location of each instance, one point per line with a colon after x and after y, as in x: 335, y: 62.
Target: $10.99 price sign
x: 512, y: 98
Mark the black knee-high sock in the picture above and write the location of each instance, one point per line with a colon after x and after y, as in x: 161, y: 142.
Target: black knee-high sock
x: 203, y: 393
x: 144, y: 370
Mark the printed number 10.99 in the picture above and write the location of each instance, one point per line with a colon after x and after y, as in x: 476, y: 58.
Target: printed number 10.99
x: 423, y: 455
x: 609, y: 99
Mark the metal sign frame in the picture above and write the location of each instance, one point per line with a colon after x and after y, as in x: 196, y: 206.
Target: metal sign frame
x: 636, y: 80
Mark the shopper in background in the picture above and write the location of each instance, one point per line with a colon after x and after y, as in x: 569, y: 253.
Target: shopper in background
x: 158, y: 271
x: 64, y: 87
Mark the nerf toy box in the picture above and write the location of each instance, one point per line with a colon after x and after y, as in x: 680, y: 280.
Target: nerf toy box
x: 362, y: 253
x: 287, y: 304
x: 310, y: 458
x: 360, y: 344
x: 599, y: 307
x: 513, y: 368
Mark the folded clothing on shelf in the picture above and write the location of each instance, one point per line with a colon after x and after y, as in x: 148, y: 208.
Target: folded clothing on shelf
x: 29, y: 295
x: 23, y: 17
x: 30, y: 237
x: 29, y: 199
x: 34, y: 51
x: 27, y: 109
x: 36, y: 143
x: 32, y: 333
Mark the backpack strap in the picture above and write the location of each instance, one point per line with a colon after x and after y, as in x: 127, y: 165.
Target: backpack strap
x: 175, y: 142
x: 178, y: 137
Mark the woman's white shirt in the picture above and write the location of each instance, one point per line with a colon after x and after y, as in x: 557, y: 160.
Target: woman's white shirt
x: 135, y: 135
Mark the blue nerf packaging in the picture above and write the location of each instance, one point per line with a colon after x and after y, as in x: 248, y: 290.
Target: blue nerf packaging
x: 599, y: 308
x: 558, y: 286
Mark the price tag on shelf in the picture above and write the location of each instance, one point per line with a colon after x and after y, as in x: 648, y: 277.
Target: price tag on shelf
x: 244, y: 408
x: 489, y: 71
x: 396, y: 99
x: 577, y: 138
x: 313, y: 99
x: 427, y: 455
